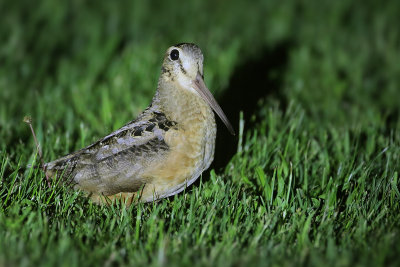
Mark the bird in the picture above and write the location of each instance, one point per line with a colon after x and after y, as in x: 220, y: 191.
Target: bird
x: 160, y: 153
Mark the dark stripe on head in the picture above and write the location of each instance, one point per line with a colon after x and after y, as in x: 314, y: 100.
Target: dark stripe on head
x: 181, y: 66
x: 184, y: 44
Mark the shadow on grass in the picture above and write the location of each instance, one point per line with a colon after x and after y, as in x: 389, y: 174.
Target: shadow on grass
x: 256, y: 79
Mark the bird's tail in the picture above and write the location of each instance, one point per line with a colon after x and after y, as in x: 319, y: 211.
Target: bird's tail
x: 62, y: 168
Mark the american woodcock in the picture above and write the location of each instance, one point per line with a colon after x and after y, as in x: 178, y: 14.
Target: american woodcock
x: 160, y: 153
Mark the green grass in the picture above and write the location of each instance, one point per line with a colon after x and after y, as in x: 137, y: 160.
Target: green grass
x: 314, y: 181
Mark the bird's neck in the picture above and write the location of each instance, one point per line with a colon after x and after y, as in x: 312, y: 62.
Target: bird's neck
x: 182, y: 105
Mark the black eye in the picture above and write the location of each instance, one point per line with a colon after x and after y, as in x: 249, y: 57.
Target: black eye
x: 174, y: 54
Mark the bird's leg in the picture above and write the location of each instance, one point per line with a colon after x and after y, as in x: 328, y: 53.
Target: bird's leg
x: 123, y: 197
x: 28, y: 120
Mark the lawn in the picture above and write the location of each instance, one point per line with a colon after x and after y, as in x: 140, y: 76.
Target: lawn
x: 312, y: 88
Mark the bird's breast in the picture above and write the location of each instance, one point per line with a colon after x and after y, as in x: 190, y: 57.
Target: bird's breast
x: 191, y: 150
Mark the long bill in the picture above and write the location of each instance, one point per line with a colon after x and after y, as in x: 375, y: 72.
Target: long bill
x: 202, y: 89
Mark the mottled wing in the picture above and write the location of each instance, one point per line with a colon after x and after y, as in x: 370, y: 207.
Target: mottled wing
x: 116, y: 163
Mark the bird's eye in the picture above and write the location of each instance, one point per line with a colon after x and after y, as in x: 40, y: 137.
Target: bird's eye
x: 174, y: 54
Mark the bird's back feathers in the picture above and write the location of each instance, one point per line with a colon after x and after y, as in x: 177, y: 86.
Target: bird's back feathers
x: 96, y: 167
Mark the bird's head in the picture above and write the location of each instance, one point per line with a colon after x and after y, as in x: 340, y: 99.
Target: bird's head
x: 183, y: 64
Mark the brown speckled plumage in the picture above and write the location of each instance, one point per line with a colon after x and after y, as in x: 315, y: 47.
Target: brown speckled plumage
x: 160, y: 153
